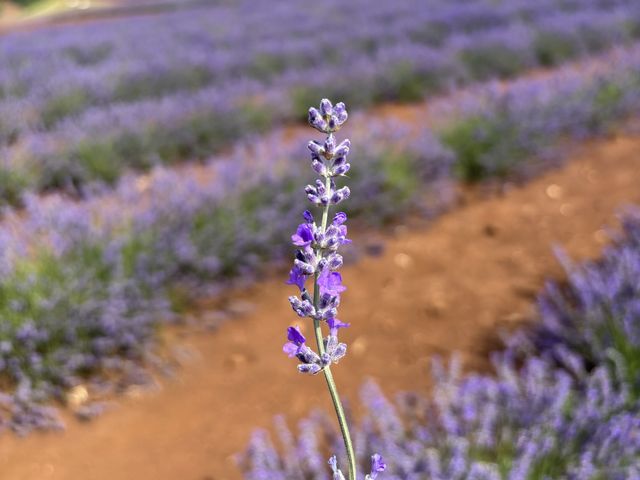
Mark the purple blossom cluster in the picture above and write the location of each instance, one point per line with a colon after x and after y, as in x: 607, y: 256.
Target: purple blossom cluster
x: 86, y: 102
x: 562, y: 402
x: 92, y: 277
x: 318, y: 245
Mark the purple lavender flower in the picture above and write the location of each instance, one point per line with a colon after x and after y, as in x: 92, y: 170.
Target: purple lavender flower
x: 297, y: 278
x: 303, y: 236
x: 330, y: 283
x: 312, y: 363
x: 318, y: 257
x: 295, y: 343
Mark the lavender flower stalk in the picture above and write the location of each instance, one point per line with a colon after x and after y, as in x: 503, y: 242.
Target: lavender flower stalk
x: 317, y: 256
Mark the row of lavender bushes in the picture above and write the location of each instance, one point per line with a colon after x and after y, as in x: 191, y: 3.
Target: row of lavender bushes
x: 86, y: 103
x: 84, y: 284
x: 563, y: 401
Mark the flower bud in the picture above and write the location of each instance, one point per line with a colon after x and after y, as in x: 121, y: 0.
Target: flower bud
x: 316, y: 120
x: 310, y: 368
x: 341, y: 112
x: 342, y: 150
x: 341, y: 169
x: 340, y: 195
x: 303, y: 308
x: 326, y: 108
x: 319, y: 167
x: 329, y: 147
x: 339, y: 218
x: 334, y: 261
x: 315, y: 147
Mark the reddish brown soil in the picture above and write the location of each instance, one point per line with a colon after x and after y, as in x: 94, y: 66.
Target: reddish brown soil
x: 432, y: 291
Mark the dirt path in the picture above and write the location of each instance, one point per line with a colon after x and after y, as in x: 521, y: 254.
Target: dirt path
x: 431, y: 291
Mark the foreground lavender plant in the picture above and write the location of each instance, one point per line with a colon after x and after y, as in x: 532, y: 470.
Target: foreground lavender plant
x: 318, y: 257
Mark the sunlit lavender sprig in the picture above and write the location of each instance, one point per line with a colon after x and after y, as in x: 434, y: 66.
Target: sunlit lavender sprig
x: 317, y: 257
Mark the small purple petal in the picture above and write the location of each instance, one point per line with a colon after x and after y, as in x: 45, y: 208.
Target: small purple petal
x: 297, y: 277
x: 330, y: 282
x: 343, y: 235
x: 295, y: 336
x: 335, y: 324
x: 291, y: 349
x: 303, y: 235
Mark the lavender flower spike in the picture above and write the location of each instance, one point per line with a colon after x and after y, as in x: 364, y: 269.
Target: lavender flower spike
x: 317, y: 256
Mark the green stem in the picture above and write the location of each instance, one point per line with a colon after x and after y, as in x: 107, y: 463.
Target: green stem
x: 331, y: 384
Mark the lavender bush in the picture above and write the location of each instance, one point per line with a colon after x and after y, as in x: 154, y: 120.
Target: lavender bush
x: 595, y: 314
x: 534, y: 422
x: 499, y: 130
x: 86, y: 102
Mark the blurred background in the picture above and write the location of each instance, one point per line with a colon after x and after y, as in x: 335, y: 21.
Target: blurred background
x: 152, y: 165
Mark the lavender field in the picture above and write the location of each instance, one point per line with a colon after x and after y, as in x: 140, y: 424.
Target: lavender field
x: 135, y: 93
x: 153, y: 163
